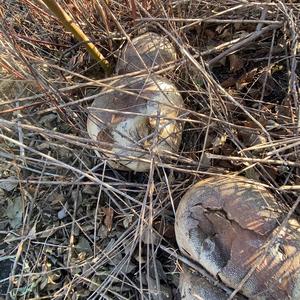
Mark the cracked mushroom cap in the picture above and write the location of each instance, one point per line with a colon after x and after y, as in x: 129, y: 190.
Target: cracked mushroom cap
x: 153, y: 50
x: 134, y: 116
x: 223, y: 224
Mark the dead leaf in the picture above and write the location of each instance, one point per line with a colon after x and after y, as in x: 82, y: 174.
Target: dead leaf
x: 76, y: 197
x: 219, y: 141
x: 32, y: 232
x: 256, y: 139
x: 229, y: 82
x: 108, y: 220
x: 95, y: 283
x: 49, y: 231
x: 63, y: 212
x: 156, y: 264
x: 47, y: 119
x: 102, y: 232
x: 166, y: 230
x: 127, y: 221
x: 56, y: 198
x: 150, y: 236
x: 161, y: 292
x: 246, y: 79
x: 266, y: 79
x: 272, y: 125
x: 284, y: 109
x: 210, y: 34
x: 14, y: 212
x: 128, y: 268
x: 43, y: 146
x: 236, y: 63
x: 8, y: 184
x: 83, y: 245
x: 205, y: 161
x: 139, y: 258
x: 90, y: 190
x: 252, y: 174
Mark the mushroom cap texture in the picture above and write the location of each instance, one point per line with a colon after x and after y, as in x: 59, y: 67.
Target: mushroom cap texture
x: 223, y: 224
x: 195, y: 287
x: 152, y: 48
x: 134, y: 115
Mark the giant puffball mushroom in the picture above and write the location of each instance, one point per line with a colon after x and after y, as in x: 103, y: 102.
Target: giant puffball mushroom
x: 224, y: 224
x: 149, y: 49
x: 194, y: 287
x: 133, y: 116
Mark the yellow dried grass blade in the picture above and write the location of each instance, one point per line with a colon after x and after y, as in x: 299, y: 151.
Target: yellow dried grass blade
x: 70, y: 25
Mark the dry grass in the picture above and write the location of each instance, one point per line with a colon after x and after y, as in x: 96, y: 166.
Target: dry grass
x: 71, y: 227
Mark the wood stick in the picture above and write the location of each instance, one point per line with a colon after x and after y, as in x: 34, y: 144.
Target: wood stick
x: 247, y: 40
x: 69, y: 24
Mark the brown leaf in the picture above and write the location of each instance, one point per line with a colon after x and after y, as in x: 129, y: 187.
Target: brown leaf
x: 219, y: 141
x: 229, y: 82
x: 252, y: 174
x: 246, y: 79
x: 266, y: 79
x: 109, y: 214
x: 169, y: 232
x: 236, y: 63
x: 284, y: 109
x: 210, y: 34
x: 55, y: 199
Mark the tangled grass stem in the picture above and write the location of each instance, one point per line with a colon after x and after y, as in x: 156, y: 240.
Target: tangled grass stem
x: 69, y: 24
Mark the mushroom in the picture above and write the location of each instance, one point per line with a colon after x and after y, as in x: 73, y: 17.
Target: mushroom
x: 224, y: 224
x: 194, y: 287
x: 149, y: 49
x: 134, y: 116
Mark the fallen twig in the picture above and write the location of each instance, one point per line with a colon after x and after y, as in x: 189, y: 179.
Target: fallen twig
x: 250, y: 38
x: 69, y: 24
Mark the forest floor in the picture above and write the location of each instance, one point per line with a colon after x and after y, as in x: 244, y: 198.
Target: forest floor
x: 71, y: 227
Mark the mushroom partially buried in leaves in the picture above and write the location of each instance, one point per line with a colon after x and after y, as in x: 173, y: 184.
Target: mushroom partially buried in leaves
x: 225, y: 224
x: 133, y: 116
x: 147, y: 50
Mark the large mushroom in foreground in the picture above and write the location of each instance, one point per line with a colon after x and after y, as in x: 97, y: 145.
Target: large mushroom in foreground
x: 225, y: 224
x: 145, y: 51
x: 136, y: 117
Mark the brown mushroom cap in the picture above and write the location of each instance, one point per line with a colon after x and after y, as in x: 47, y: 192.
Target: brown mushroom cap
x: 153, y: 49
x: 223, y: 224
x: 195, y: 287
x: 136, y: 117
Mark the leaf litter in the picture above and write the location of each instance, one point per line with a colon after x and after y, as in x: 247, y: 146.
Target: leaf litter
x: 86, y: 231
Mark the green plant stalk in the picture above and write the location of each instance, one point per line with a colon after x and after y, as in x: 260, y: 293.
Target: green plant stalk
x: 70, y: 25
